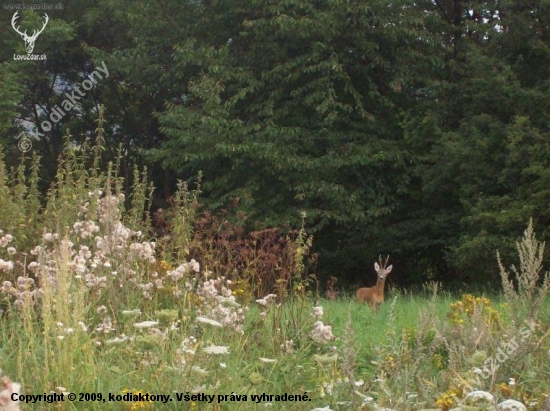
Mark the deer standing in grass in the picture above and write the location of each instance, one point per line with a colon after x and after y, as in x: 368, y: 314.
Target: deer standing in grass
x: 374, y: 296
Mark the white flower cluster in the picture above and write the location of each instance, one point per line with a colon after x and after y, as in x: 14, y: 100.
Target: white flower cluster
x: 182, y: 269
x: 7, y: 389
x: 144, y: 251
x: 100, y: 240
x: 219, y: 304
x: 267, y: 300
x: 321, y: 333
x: 156, y: 284
x: 85, y: 229
x: 24, y: 291
x: 105, y: 326
x: 317, y: 312
x: 64, y: 331
x: 6, y: 265
x: 116, y: 237
x: 50, y: 237
x: 114, y: 242
x: 216, y: 349
x: 188, y: 347
x: 5, y: 239
x: 108, y: 207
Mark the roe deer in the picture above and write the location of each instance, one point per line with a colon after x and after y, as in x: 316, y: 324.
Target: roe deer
x: 374, y: 296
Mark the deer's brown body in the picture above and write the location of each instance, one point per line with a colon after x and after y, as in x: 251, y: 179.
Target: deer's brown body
x: 374, y: 296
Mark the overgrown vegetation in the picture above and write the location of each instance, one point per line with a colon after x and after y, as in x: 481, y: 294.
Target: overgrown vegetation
x: 92, y: 303
x: 412, y: 128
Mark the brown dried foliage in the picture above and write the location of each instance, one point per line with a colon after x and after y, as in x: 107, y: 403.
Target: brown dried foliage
x: 263, y: 258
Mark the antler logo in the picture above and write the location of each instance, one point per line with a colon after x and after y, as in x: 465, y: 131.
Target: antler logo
x: 29, y: 40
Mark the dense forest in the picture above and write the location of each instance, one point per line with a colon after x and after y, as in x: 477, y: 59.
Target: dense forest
x: 415, y: 129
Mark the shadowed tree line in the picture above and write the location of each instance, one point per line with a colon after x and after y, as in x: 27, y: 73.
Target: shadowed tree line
x: 415, y: 129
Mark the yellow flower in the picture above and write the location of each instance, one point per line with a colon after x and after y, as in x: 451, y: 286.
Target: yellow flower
x: 438, y: 361
x: 505, y: 389
x: 447, y: 400
x: 465, y: 308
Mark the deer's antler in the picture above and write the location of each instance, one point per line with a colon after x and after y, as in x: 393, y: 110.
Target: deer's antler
x: 35, y: 33
x: 46, y: 19
x: 385, y: 263
x: 29, y: 40
x: 13, y: 19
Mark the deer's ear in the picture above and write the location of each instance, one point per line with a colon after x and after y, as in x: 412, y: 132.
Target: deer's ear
x: 376, y: 267
x: 388, y: 270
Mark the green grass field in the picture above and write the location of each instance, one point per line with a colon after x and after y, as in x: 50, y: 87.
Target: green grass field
x: 407, y: 356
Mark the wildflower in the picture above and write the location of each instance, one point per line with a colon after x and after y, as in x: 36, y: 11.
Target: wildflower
x: 205, y: 320
x: 130, y: 313
x: 216, y: 349
x: 317, y: 312
x: 328, y: 387
x: 11, y: 250
x: 185, y: 345
x: 194, y: 265
x: 6, y: 265
x: 479, y: 398
x: 146, y: 324
x: 321, y: 333
x: 223, y: 365
x: 287, y: 347
x: 105, y: 326
x: 116, y: 340
x: 33, y: 266
x: 84, y: 251
x: 268, y: 299
x: 48, y: 237
x: 7, y: 389
x: 505, y: 389
x: 366, y: 399
x: 228, y: 301
x: 511, y: 405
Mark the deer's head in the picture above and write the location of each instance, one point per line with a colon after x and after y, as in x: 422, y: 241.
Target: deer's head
x: 29, y: 40
x: 381, y: 269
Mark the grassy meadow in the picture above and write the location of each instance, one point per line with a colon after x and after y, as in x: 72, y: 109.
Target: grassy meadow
x: 103, y: 300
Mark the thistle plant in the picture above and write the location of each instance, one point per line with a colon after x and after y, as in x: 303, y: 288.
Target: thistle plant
x: 531, y: 288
